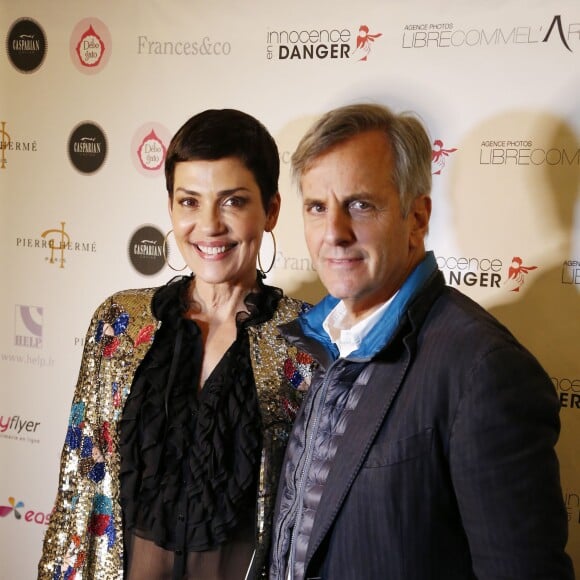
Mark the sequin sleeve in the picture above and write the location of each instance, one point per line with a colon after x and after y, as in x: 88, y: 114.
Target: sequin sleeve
x: 282, y: 374
x: 83, y: 539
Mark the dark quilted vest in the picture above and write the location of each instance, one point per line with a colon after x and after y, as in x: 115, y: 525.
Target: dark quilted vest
x: 315, y: 440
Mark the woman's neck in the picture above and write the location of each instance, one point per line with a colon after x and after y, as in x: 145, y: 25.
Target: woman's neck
x: 216, y: 303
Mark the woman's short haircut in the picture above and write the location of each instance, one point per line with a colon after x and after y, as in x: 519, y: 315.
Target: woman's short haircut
x: 219, y: 133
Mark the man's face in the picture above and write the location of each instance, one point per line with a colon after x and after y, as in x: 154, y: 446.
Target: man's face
x: 359, y: 241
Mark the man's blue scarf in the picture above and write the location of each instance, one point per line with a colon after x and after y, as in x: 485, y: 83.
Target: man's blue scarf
x: 382, y: 331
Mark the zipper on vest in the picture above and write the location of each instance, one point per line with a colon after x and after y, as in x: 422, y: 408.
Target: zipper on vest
x: 298, y: 507
x: 279, y: 556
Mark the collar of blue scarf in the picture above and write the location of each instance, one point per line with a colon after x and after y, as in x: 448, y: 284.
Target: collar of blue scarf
x: 380, y: 334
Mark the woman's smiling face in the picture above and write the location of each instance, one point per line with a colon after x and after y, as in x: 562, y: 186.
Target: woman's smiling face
x: 218, y: 219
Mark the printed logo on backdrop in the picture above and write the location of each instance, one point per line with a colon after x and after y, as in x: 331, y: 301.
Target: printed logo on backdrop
x: 439, y: 156
x: 28, y: 326
x: 21, y: 429
x: 26, y: 45
x: 15, y: 510
x: 146, y: 250
x: 205, y: 46
x: 568, y: 390
x: 571, y: 272
x: 364, y: 41
x: 90, y: 46
x: 148, y: 149
x: 55, y: 244
x: 555, y: 30
x: 8, y: 144
x: 87, y: 147
x: 4, y: 145
x: 484, y: 272
x: 28, y: 333
x: 517, y: 273
x: 322, y: 43
x: 284, y: 261
x: 572, y: 503
x: 519, y: 152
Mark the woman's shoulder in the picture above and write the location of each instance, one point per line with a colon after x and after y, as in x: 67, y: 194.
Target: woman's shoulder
x: 134, y: 294
x: 126, y: 311
x: 289, y: 308
x: 131, y: 300
x: 124, y: 318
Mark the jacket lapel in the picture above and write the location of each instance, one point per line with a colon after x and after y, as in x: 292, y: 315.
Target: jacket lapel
x: 360, y: 433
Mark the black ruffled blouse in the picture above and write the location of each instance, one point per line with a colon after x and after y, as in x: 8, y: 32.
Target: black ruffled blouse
x: 190, y: 458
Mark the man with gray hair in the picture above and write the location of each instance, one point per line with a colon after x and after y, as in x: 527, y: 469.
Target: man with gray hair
x: 425, y: 445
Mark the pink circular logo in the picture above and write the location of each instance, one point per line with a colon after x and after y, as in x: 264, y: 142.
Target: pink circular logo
x: 90, y: 46
x: 149, y: 148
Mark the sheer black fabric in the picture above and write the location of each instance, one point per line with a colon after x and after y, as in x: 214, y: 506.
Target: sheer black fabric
x: 229, y: 561
x: 190, y: 458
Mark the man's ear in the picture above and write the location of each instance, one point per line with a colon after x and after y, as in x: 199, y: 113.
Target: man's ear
x: 419, y: 214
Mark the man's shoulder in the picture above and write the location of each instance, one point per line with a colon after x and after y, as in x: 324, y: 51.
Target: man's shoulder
x: 463, y: 318
x: 460, y: 332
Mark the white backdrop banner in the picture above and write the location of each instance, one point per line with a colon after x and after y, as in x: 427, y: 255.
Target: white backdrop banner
x: 90, y: 94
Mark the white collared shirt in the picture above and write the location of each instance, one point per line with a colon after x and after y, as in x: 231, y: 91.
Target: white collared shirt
x: 348, y: 340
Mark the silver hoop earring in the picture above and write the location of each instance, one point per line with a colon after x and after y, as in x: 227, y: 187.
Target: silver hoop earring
x: 165, y: 253
x: 262, y: 271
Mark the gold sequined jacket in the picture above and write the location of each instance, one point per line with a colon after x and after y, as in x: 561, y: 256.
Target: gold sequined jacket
x: 84, y: 539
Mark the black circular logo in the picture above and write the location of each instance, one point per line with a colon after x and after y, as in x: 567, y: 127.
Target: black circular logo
x: 26, y: 45
x: 87, y: 147
x: 146, y: 250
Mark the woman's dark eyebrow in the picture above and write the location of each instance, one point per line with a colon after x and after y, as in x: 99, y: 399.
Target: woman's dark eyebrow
x: 223, y: 193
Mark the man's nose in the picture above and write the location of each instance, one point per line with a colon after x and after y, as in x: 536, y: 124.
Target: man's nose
x: 338, y: 227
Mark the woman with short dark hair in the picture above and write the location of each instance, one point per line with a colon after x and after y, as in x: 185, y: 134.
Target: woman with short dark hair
x: 186, y: 392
